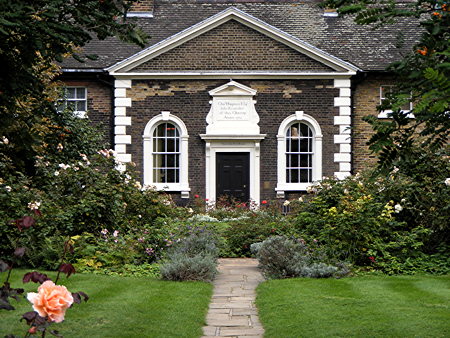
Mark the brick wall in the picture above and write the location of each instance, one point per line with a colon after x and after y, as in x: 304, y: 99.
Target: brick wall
x: 366, y: 97
x: 142, y: 6
x: 189, y: 100
x: 232, y: 46
x: 99, y: 103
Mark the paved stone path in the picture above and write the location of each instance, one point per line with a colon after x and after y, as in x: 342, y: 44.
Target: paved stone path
x: 232, y: 312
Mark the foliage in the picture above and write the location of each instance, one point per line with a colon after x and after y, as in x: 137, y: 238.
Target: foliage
x: 386, y: 223
x: 33, y: 35
x: 423, y: 76
x: 192, y: 258
x: 281, y: 257
x: 181, y: 267
x: 52, y: 300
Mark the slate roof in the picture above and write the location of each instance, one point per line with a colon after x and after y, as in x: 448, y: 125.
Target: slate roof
x: 368, y: 49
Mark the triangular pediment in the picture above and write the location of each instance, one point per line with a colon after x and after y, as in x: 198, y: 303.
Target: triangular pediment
x: 231, y: 41
x: 232, y: 88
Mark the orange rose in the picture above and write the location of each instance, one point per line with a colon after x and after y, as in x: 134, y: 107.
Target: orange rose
x: 51, y: 301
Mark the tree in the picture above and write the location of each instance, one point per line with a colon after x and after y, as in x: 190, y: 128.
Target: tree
x: 423, y: 77
x: 33, y: 36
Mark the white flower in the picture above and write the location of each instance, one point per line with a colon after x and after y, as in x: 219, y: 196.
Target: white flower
x: 286, y: 203
x: 398, y: 208
x: 403, y: 200
x: 104, y: 231
x: 346, y: 192
x: 4, y: 140
x: 56, y: 173
x: 447, y: 181
x: 395, y: 170
x: 137, y: 184
x: 104, y: 153
x: 34, y: 205
x: 190, y: 210
x: 64, y: 166
x: 300, y: 199
x: 8, y: 188
x: 115, y: 233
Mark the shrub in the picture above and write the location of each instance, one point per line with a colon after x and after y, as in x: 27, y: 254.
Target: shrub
x: 180, y: 267
x: 192, y: 258
x: 282, y: 257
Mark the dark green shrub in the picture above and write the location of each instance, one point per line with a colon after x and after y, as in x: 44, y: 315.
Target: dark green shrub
x: 282, y: 257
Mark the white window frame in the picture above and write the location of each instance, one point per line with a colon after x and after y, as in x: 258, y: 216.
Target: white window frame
x: 385, y: 114
x: 282, y: 184
x: 183, y: 184
x: 65, y: 100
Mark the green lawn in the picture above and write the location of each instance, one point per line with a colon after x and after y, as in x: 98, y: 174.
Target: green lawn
x: 122, y: 307
x: 399, y: 306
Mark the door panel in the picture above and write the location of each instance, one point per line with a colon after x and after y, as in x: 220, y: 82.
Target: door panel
x: 233, y: 175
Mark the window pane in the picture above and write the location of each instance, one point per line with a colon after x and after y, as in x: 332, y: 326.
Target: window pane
x: 172, y: 176
x: 171, y: 130
x: 81, y: 93
x: 171, y: 145
x: 292, y: 176
x: 304, y: 130
x: 157, y: 175
x: 294, y: 146
x: 159, y: 131
x: 304, y: 145
x: 304, y: 160
x: 70, y: 93
x: 170, y: 161
x: 293, y: 162
x: 304, y: 175
x: 81, y: 106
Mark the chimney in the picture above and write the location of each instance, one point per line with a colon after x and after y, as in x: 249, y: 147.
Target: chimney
x: 330, y: 12
x: 142, y: 9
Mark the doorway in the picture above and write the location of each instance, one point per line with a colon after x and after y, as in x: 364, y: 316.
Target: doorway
x: 233, y: 175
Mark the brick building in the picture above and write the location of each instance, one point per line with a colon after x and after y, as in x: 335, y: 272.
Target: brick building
x: 255, y: 99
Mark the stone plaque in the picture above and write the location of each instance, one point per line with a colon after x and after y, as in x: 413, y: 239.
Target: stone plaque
x: 233, y: 110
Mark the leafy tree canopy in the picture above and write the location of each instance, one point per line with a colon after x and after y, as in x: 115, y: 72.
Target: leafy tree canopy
x: 423, y: 77
x: 33, y: 35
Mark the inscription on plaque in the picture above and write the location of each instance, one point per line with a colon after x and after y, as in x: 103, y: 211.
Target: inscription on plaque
x: 233, y: 110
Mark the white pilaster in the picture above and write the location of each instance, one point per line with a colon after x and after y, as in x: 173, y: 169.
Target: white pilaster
x: 343, y: 120
x: 121, y: 121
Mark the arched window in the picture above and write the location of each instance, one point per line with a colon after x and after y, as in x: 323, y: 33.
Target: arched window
x: 299, y: 153
x: 166, y: 154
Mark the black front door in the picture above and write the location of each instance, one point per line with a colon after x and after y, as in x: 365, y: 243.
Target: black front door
x: 233, y: 175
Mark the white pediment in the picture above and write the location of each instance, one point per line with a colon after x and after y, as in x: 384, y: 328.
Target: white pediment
x: 233, y: 88
x: 337, y: 65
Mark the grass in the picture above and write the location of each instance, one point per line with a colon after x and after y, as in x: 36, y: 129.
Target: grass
x: 398, y: 306
x: 121, y: 307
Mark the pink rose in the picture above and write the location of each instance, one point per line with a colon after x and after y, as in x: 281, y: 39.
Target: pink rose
x: 51, y: 301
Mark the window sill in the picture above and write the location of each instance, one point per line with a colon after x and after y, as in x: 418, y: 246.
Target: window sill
x: 386, y: 114
x: 171, y: 187
x: 283, y: 187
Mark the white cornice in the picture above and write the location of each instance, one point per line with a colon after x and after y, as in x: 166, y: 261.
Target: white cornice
x: 231, y: 13
x: 234, y: 75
